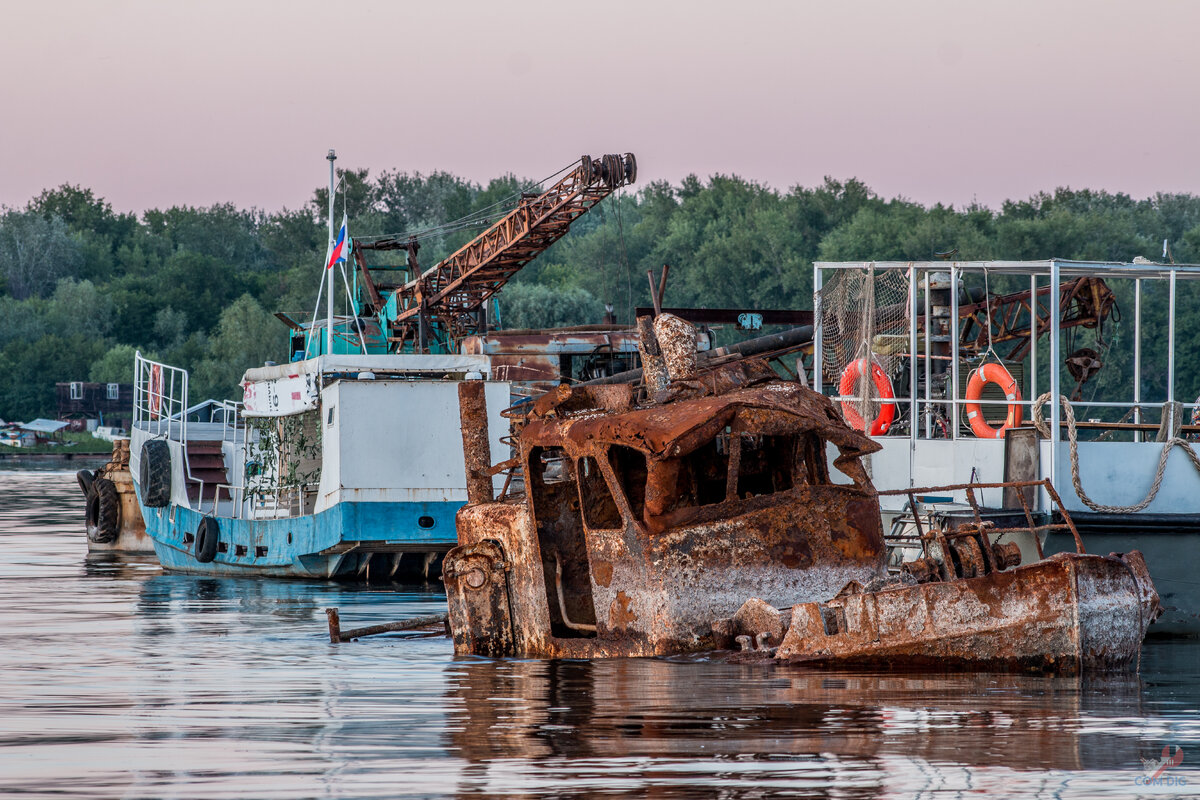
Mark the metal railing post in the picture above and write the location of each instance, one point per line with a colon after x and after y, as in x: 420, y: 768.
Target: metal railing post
x: 1137, y: 356
x: 1055, y: 411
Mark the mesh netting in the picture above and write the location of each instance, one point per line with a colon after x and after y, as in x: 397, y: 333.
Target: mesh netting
x: 864, y: 315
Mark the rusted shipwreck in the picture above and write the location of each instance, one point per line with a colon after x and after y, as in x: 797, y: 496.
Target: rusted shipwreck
x: 710, y: 517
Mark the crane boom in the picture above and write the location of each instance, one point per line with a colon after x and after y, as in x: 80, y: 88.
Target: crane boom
x: 448, y: 297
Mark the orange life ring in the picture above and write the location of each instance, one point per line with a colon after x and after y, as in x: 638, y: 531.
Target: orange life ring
x: 156, y: 390
x: 887, y: 411
x: 997, y: 374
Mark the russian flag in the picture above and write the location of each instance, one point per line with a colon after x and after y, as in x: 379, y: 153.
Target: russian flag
x: 341, y: 248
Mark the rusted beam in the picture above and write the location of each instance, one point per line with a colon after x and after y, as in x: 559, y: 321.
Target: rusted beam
x: 472, y: 410
x: 372, y: 292
x: 764, y: 346
x: 337, y: 635
x: 729, y: 316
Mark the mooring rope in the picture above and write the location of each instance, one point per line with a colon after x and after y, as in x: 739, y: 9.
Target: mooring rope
x: 1168, y: 433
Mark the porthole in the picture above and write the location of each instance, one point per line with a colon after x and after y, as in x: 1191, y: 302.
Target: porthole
x: 426, y: 521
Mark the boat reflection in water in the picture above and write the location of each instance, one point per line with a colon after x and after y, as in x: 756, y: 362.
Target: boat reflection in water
x: 633, y: 724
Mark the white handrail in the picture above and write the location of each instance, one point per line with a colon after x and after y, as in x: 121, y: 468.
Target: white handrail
x: 160, y: 394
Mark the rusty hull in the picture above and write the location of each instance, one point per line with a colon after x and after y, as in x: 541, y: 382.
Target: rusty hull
x: 642, y: 526
x: 1068, y: 613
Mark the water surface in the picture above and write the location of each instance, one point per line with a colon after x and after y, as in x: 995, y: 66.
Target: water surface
x: 117, y: 680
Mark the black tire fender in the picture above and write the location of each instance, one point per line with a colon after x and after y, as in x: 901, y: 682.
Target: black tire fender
x: 155, y: 473
x: 85, y: 477
x: 103, y: 512
x: 207, y: 535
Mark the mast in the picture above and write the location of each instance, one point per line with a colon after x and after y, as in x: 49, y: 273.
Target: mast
x: 332, y: 157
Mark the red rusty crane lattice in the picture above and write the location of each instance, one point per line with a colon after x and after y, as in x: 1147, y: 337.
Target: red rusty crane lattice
x: 447, y: 299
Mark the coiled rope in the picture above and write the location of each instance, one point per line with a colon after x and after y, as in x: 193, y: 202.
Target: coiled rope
x: 1168, y: 433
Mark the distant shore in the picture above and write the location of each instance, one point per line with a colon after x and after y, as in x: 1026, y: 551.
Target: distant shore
x: 16, y: 459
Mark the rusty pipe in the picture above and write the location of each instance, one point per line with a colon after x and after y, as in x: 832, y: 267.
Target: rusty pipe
x: 562, y: 601
x: 477, y: 455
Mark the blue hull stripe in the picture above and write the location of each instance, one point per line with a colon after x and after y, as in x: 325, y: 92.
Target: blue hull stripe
x: 291, y: 547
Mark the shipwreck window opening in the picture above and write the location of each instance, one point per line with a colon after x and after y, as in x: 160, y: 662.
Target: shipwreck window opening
x: 629, y: 465
x: 811, y: 466
x: 765, y: 465
x: 558, y: 518
x: 833, y: 619
x: 590, y: 366
x: 599, y: 508
x: 551, y: 464
x: 740, y: 465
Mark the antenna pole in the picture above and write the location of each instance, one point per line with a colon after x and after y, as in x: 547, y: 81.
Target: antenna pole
x: 332, y: 157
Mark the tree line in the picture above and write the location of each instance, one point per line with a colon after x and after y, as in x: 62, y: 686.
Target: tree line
x: 82, y: 286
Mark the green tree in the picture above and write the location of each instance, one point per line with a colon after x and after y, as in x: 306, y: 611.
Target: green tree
x: 246, y: 337
x: 35, y: 252
x: 33, y: 367
x: 79, y: 307
x: 115, y: 366
x: 530, y: 305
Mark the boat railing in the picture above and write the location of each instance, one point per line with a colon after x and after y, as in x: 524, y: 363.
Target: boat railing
x: 276, y: 502
x: 1138, y: 417
x: 941, y: 534
x: 160, y: 394
x: 280, y: 502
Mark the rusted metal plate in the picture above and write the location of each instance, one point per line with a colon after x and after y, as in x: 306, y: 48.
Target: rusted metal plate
x: 1022, y: 462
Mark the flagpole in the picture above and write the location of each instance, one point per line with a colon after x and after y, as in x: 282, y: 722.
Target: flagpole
x: 328, y: 269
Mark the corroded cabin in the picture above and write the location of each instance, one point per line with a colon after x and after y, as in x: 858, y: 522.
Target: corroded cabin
x: 640, y: 525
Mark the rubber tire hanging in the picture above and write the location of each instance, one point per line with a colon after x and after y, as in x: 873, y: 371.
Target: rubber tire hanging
x: 155, y: 473
x: 207, y: 535
x: 103, y: 516
x: 85, y: 477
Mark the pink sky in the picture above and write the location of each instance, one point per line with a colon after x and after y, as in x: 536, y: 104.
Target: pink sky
x: 164, y: 103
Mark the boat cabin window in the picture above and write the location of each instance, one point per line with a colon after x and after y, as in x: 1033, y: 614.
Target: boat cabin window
x: 765, y: 464
x: 739, y: 466
x: 629, y: 465
x: 551, y: 464
x: 599, y: 509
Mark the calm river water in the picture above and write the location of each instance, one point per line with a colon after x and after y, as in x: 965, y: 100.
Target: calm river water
x: 117, y: 680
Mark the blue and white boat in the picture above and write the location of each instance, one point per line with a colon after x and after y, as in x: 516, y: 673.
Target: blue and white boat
x: 332, y: 466
x: 348, y: 460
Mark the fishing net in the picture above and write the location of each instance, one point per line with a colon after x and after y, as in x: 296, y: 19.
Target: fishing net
x: 864, y: 318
